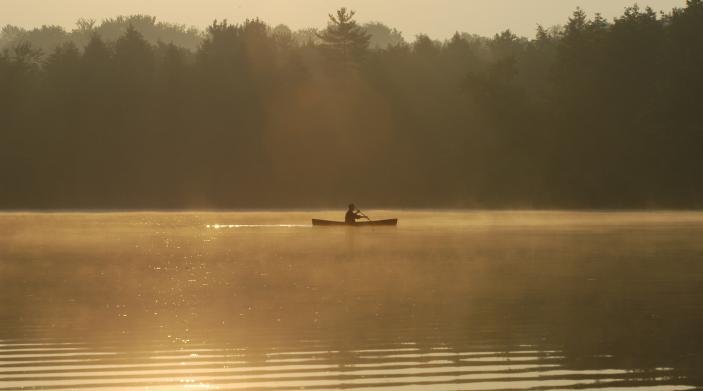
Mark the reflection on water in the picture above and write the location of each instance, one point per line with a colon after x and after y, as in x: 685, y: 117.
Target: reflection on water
x: 444, y: 301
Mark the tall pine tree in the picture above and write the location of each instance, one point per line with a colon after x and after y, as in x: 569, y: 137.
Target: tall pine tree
x: 343, y: 39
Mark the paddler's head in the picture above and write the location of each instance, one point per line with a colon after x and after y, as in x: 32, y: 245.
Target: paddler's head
x: 352, y: 207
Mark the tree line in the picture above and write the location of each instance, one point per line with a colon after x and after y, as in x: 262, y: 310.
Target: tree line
x: 593, y: 114
x: 47, y: 37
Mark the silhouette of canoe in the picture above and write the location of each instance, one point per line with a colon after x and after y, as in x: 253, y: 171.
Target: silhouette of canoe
x: 328, y: 223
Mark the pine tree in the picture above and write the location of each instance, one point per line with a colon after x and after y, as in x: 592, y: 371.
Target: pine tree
x: 344, y: 39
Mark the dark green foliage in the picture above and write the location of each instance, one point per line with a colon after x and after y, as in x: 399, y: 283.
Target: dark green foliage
x: 595, y: 113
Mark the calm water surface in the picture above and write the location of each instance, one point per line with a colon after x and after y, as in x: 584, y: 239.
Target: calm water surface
x: 445, y: 301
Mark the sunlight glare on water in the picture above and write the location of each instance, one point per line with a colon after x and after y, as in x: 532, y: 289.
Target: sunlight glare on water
x: 263, y: 300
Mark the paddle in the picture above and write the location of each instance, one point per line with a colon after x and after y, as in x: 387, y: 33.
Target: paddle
x: 363, y: 215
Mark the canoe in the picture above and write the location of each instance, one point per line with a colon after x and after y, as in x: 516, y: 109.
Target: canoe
x: 323, y: 223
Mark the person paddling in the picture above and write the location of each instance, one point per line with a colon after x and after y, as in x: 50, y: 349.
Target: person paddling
x: 353, y: 214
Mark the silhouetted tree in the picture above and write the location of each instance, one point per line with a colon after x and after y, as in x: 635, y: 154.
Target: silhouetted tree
x: 343, y: 39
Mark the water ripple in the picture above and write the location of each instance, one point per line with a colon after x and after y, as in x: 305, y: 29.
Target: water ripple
x: 400, y: 367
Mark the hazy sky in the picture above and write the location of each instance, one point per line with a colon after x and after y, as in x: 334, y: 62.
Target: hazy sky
x: 438, y: 18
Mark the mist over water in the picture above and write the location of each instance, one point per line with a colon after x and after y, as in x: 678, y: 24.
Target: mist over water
x: 263, y: 300
x: 135, y: 113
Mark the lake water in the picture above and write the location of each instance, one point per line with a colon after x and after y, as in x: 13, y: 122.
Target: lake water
x: 444, y: 301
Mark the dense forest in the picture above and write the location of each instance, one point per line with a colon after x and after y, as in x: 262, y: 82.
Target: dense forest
x: 134, y: 113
